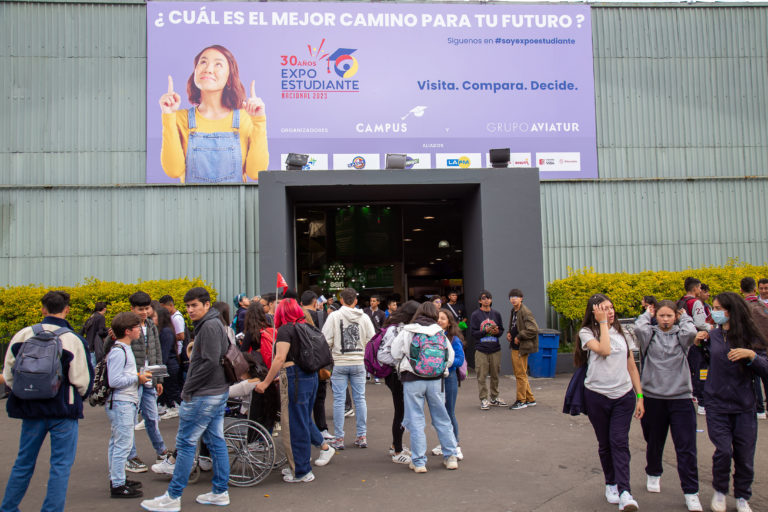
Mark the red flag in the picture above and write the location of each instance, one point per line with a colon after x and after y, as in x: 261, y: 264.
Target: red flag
x: 281, y: 282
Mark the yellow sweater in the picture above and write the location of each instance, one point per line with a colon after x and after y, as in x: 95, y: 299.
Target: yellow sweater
x: 253, y: 141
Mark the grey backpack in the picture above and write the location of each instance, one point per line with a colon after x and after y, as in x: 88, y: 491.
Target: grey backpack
x: 37, y: 372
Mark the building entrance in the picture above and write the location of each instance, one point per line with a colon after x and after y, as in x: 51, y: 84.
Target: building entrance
x: 400, y: 250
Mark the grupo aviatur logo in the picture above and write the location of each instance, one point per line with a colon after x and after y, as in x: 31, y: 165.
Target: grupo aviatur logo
x: 462, y: 162
x: 357, y: 163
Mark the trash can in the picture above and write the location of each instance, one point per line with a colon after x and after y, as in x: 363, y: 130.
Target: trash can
x: 544, y: 362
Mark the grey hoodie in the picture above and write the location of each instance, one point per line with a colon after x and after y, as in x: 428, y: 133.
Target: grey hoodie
x: 206, y: 375
x: 348, y: 331
x: 666, y: 373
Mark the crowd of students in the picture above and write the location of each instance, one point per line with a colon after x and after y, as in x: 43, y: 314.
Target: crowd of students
x: 729, y: 340
x: 419, y: 352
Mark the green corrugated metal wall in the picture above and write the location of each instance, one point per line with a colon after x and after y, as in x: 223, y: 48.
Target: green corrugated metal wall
x: 681, y: 97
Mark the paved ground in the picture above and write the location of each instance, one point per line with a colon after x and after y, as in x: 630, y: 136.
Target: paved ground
x: 535, y: 459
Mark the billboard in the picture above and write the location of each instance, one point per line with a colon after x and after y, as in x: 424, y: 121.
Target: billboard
x: 347, y: 83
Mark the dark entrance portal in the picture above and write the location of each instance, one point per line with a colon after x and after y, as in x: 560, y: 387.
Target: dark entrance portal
x: 499, y: 218
x: 400, y: 250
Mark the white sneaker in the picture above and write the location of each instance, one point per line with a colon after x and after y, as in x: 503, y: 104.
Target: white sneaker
x: 627, y: 502
x: 172, y: 412
x: 401, y: 458
x: 291, y: 479
x: 653, y: 483
x: 451, y: 462
x: 742, y: 505
x: 286, y: 471
x: 612, y: 494
x: 325, y: 456
x: 459, y: 455
x: 161, y: 410
x: 211, y: 498
x: 205, y: 463
x: 140, y: 426
x: 693, y: 503
x: 485, y: 405
x: 327, y: 435
x: 761, y: 416
x: 165, y: 467
x: 161, y: 503
x: 437, y: 450
x: 701, y: 411
x: 718, y: 502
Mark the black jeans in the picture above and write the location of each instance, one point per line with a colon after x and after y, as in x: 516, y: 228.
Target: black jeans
x: 396, y: 387
x: 318, y: 411
x: 679, y: 416
x: 611, y: 419
x: 734, y: 437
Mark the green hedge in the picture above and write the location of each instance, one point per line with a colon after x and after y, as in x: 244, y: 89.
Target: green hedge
x: 569, y: 296
x: 20, y: 305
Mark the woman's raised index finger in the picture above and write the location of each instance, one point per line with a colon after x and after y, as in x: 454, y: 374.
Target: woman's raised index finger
x: 253, y: 88
x: 170, y: 84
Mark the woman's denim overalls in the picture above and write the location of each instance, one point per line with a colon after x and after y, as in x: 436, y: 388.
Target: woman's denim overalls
x: 214, y: 157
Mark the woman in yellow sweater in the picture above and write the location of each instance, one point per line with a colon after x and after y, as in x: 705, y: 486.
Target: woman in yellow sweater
x: 223, y: 137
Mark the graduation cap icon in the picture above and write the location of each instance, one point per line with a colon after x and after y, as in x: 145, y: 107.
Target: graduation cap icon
x: 344, y: 64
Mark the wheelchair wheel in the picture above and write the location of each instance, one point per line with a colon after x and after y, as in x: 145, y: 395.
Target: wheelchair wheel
x: 280, y: 458
x: 194, y: 475
x: 251, y: 452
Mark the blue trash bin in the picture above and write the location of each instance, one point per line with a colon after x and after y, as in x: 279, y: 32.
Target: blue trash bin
x: 544, y: 362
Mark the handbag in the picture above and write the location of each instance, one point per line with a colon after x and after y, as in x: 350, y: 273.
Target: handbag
x: 234, y: 364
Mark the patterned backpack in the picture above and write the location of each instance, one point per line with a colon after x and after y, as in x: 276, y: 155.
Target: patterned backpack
x: 429, y: 355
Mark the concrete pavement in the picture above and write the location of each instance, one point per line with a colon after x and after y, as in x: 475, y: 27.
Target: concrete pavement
x: 535, y: 459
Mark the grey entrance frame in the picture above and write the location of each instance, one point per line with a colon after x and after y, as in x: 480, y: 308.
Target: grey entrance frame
x: 502, y: 237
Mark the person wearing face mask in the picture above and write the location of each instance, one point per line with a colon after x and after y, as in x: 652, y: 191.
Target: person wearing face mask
x: 667, y: 388
x: 737, y: 356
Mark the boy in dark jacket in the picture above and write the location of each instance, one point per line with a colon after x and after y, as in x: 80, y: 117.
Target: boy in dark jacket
x: 56, y: 416
x: 486, y: 327
x: 523, y: 337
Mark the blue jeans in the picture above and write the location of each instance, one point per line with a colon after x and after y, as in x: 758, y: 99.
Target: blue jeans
x: 414, y: 394
x: 303, y: 431
x: 63, y: 448
x: 122, y: 416
x: 201, y: 416
x: 355, y: 376
x: 148, y: 409
x: 451, y: 392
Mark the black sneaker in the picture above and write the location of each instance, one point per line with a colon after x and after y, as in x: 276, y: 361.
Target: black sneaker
x: 518, y: 405
x: 124, y: 491
x: 133, y: 484
x: 532, y: 403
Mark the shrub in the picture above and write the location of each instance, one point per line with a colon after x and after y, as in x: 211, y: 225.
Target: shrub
x: 569, y: 296
x: 20, y: 305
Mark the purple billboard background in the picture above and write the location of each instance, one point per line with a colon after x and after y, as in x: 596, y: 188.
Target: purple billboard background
x: 399, y: 96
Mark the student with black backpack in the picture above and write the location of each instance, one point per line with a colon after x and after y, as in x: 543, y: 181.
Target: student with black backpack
x: 51, y: 410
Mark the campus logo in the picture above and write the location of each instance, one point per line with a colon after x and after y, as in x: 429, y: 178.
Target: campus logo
x: 357, y: 163
x: 462, y: 162
x: 417, y: 111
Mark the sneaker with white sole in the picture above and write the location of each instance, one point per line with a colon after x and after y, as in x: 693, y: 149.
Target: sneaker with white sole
x: 627, y: 502
x: 135, y: 465
x: 653, y: 483
x: 140, y: 426
x: 286, y: 471
x: 718, y: 502
x: 349, y: 413
x: 417, y: 469
x: 211, y: 498
x: 612, y: 494
x: 401, y: 458
x: 530, y: 403
x: 451, y: 462
x: 498, y: 402
x: 693, y: 503
x: 518, y: 405
x: 485, y: 405
x: 205, y: 463
x: 327, y: 435
x: 165, y: 467
x: 172, y: 412
x: 742, y: 505
x: 161, y: 503
x: 325, y: 456
x: 406, y: 450
x: 701, y: 411
x: 437, y: 450
x: 291, y: 479
x: 459, y: 455
x: 337, y: 444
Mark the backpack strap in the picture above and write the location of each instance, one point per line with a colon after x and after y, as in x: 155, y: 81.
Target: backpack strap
x: 37, y: 328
